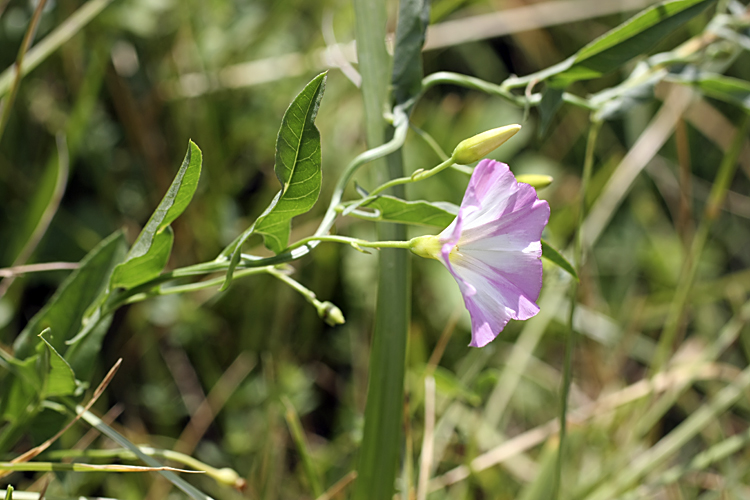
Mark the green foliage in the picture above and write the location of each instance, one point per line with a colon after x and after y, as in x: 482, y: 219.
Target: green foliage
x: 390, y: 209
x: 632, y: 38
x: 59, y: 377
x: 725, y: 88
x: 299, y: 170
x: 298, y: 166
x: 413, y: 19
x: 554, y: 256
x: 148, y: 255
x: 657, y: 400
x: 66, y: 309
x: 41, y: 366
x: 552, y: 99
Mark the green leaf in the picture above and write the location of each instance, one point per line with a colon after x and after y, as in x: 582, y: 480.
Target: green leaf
x: 613, y: 102
x: 632, y: 38
x: 82, y: 354
x: 552, y: 255
x: 49, y: 188
x: 413, y: 19
x: 391, y: 209
x: 21, y: 389
x: 552, y: 99
x: 59, y: 377
x: 67, y: 307
x: 140, y: 269
x: 298, y: 167
x: 121, y: 440
x: 725, y: 88
x: 451, y: 387
x: 148, y: 255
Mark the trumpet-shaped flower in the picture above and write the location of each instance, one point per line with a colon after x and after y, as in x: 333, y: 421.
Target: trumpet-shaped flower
x: 493, y: 249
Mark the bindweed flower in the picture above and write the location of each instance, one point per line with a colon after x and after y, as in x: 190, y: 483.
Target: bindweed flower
x: 493, y: 249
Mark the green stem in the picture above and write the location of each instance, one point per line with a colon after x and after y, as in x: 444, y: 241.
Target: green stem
x: 355, y: 242
x: 724, y: 177
x: 419, y: 175
x: 224, y: 476
x: 445, y: 77
x: 432, y: 143
x: 79, y: 467
x: 118, y: 438
x: 401, y: 124
x: 298, y: 435
x: 192, y: 287
x: 46, y: 47
x: 570, y: 342
x: 399, y: 181
x: 27, y: 39
x: 381, y: 442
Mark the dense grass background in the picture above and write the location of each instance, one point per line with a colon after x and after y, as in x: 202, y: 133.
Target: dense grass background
x: 129, y: 90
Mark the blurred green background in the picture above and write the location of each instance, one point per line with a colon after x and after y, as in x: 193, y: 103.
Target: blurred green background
x: 130, y: 88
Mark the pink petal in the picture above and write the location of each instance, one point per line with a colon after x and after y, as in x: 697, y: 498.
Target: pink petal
x: 495, y: 240
x: 513, y: 231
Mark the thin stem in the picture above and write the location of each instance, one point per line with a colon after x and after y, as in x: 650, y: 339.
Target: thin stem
x: 308, y: 294
x: 61, y: 181
x: 588, y: 166
x: 399, y: 181
x: 446, y: 77
x: 430, y: 142
x: 401, y: 124
x: 79, y: 467
x: 27, y: 39
x: 118, y: 438
x: 439, y: 151
x: 7, y: 272
x: 193, y: 287
x: 351, y: 241
x: 42, y: 50
x: 713, y: 206
x: 416, y: 176
x: 570, y: 342
x: 224, y: 476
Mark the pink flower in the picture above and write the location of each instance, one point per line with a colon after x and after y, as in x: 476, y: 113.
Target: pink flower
x: 493, y: 249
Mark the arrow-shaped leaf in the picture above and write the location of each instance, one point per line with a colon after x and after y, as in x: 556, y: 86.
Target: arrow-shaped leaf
x: 390, y: 209
x: 148, y: 255
x: 67, y: 307
x: 551, y: 254
x: 298, y: 166
x: 60, y: 379
x: 413, y: 18
x: 725, y: 88
x: 635, y: 36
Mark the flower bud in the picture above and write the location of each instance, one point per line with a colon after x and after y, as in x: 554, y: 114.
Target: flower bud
x: 477, y: 147
x: 537, y: 181
x: 230, y: 478
x: 331, y: 314
x: 426, y: 246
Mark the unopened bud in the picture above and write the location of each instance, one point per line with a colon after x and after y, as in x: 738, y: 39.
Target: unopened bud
x: 428, y: 247
x: 536, y: 181
x: 331, y: 314
x: 229, y: 477
x: 477, y: 147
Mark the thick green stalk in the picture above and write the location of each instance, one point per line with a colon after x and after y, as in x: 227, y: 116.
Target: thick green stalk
x: 378, y: 457
x: 381, y: 443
